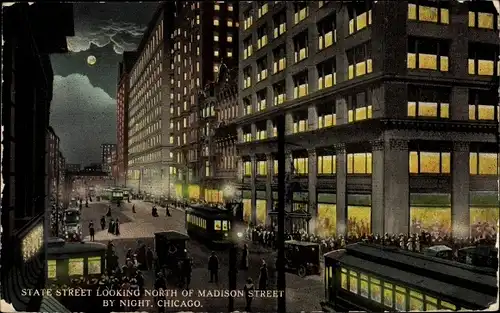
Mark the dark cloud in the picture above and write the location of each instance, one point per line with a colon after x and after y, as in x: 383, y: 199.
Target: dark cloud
x: 83, y: 116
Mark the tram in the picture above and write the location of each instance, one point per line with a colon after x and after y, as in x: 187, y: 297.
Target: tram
x: 210, y: 224
x: 368, y: 277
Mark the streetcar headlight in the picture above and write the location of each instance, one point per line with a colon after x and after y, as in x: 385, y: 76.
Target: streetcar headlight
x: 239, y: 234
x: 225, y: 234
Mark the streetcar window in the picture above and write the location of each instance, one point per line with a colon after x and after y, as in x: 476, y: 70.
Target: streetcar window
x: 363, y: 285
x: 388, y: 295
x: 400, y: 298
x: 343, y: 279
x: 217, y: 225
x: 75, y: 267
x: 204, y: 224
x: 51, y: 269
x: 375, y: 290
x: 224, y: 226
x: 229, y: 225
x: 94, y: 265
x: 416, y: 301
x: 448, y: 306
x: 430, y: 304
x: 353, y: 281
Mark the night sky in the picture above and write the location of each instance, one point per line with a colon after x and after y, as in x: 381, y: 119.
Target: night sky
x: 83, y: 109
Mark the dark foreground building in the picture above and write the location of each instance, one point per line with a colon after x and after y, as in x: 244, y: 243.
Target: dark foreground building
x: 31, y: 33
x: 391, y: 110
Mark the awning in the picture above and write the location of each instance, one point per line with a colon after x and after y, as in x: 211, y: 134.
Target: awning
x: 50, y: 304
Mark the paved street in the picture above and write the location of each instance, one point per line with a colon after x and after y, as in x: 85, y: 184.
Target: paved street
x: 302, y: 294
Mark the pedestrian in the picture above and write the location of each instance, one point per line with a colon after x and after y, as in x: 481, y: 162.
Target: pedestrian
x: 149, y: 258
x: 187, y: 269
x: 117, y: 227
x: 111, y: 226
x: 103, y: 222
x: 263, y: 276
x: 91, y: 230
x: 213, y: 267
x: 167, y: 211
x: 108, y: 214
x: 160, y: 284
x: 249, y: 289
x: 244, y: 258
x: 133, y: 208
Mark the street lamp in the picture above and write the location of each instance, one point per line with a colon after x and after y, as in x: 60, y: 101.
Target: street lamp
x: 236, y: 236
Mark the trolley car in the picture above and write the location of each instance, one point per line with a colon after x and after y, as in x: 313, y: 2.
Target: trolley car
x: 210, y: 224
x: 367, y: 277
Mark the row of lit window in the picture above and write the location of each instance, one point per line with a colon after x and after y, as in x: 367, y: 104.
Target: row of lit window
x: 180, y: 140
x: 441, y: 63
x: 228, y: 113
x: 420, y: 162
x: 144, y: 132
x: 150, y: 157
x: 141, y: 123
x: 142, y: 92
x: 147, y: 52
x: 184, y: 124
x: 229, y: 22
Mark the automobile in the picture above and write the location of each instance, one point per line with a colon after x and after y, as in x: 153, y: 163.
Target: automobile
x: 480, y: 255
x: 302, y: 257
x: 170, y: 247
x: 439, y: 251
x: 73, y: 233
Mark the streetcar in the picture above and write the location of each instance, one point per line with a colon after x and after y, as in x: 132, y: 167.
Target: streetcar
x: 368, y: 277
x: 115, y: 195
x: 209, y: 224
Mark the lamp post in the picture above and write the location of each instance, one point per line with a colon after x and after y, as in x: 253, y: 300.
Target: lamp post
x: 281, y: 281
x: 233, y: 269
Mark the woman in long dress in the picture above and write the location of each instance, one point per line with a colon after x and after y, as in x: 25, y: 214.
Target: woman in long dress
x: 117, y: 227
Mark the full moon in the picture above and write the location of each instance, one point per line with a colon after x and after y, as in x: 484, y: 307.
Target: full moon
x: 91, y: 60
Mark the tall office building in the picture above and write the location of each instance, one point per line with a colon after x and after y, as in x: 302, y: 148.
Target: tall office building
x: 393, y: 120
x: 181, y: 52
x: 106, y: 152
x: 124, y: 68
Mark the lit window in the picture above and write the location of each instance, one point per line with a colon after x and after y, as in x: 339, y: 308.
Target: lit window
x: 216, y: 68
x: 433, y: 14
x: 428, y: 102
x: 247, y: 77
x: 301, y: 166
x: 279, y: 60
x: 216, y: 21
x: 327, y: 118
x: 261, y: 100
x: 482, y: 163
x: 247, y: 168
x: 247, y: 48
x: 327, y: 76
x: 327, y: 164
x: 327, y: 32
x: 230, y: 23
x: 478, y: 109
x: 279, y: 22
x: 428, y: 54
x: 216, y: 7
x: 301, y: 87
x: 360, y: 16
x: 429, y: 162
x: 216, y: 52
x: 300, y: 125
x: 216, y: 37
x: 482, y: 59
x: 359, y: 163
x: 262, y: 168
x: 301, y: 12
x: 247, y: 19
x: 279, y: 94
x: 301, y: 47
x: 263, y: 9
x: 262, y: 37
x: 230, y: 7
x: 229, y: 38
x: 361, y: 108
x: 229, y: 54
x: 359, y: 60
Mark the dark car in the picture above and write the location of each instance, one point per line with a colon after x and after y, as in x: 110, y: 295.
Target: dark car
x: 170, y: 247
x: 302, y: 257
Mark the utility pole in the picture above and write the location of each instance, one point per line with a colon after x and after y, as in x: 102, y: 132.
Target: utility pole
x: 233, y: 253
x: 281, y: 283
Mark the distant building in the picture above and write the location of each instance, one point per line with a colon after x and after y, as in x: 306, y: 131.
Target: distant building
x: 122, y: 99
x: 73, y: 167
x: 106, y: 150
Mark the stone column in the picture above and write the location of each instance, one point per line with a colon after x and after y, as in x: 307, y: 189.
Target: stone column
x: 240, y: 134
x: 340, y: 151
x: 239, y: 168
x: 288, y: 123
x: 270, y: 128
x: 253, y: 188
x: 459, y: 104
x: 378, y: 173
x: 341, y: 111
x: 269, y: 187
x: 396, y: 187
x: 312, y: 117
x: 313, y: 182
x: 288, y: 175
x: 253, y: 129
x: 460, y: 191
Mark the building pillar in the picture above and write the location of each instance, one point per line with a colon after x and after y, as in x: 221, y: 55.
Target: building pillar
x: 288, y: 123
x: 342, y: 34
x: 269, y: 187
x: 253, y: 188
x: 289, y: 83
x: 269, y: 92
x: 240, y: 134
x: 459, y: 104
x: 288, y: 176
x: 313, y: 182
x: 341, y: 213
x: 312, y: 117
x: 459, y: 41
x: 378, y: 173
x: 253, y: 130
x: 270, y: 128
x: 396, y: 187
x: 460, y: 191
x: 239, y: 168
x: 341, y: 111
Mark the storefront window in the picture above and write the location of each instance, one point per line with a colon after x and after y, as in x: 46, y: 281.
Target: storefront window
x: 178, y: 191
x: 94, y: 265
x: 261, y: 210
x: 247, y: 210
x: 327, y: 215
x: 430, y: 212
x: 51, y: 269
x: 75, y: 267
x: 194, y: 192
x: 358, y: 214
x: 217, y: 225
x: 484, y: 212
x: 225, y: 226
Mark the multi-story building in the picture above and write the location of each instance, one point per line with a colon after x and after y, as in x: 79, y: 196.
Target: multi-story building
x: 106, y: 151
x: 390, y: 123
x: 73, y: 167
x: 30, y: 33
x: 185, y: 50
x: 53, y: 159
x: 124, y: 68
x: 218, y: 105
